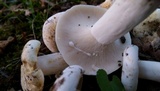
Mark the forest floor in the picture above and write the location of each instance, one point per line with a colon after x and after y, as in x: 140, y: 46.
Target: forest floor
x: 23, y: 20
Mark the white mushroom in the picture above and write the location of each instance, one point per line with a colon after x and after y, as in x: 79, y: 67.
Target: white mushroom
x: 51, y: 63
x: 149, y: 70
x: 77, y: 45
x: 146, y: 69
x: 32, y: 78
x: 121, y: 17
x: 80, y: 45
x: 96, y: 52
x: 130, y: 69
x: 69, y: 79
x: 48, y: 31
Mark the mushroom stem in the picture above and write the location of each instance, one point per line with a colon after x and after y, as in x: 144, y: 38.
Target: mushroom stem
x: 149, y: 70
x: 69, y: 79
x: 48, y: 31
x: 51, y: 63
x: 121, y: 17
x: 130, y: 68
x: 32, y: 78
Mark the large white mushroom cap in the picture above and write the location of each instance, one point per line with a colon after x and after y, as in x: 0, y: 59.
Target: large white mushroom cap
x: 77, y: 45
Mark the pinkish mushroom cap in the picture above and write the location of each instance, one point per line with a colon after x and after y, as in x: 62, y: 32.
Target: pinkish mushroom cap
x: 77, y: 45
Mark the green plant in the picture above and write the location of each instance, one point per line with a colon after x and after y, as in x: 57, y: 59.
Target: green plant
x: 105, y: 84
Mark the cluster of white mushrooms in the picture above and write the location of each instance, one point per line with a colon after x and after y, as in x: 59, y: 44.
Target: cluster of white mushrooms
x: 86, y: 38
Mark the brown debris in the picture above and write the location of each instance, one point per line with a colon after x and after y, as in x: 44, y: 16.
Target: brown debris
x: 4, y: 43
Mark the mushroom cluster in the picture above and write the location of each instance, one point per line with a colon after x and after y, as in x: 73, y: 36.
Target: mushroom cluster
x: 86, y: 38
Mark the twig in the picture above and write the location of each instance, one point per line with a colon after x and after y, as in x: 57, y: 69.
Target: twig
x: 4, y: 74
x: 49, y: 3
x: 13, y: 63
x: 33, y: 28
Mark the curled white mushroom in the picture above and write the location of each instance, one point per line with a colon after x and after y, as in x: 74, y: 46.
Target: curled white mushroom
x: 51, y: 63
x: 121, y: 17
x: 48, y: 33
x: 32, y: 78
x: 130, y: 70
x: 69, y: 79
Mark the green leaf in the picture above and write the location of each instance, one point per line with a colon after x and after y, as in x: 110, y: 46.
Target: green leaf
x: 116, y: 84
x: 103, y: 81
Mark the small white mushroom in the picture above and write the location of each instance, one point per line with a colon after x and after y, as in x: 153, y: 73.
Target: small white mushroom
x: 69, y: 79
x: 51, y: 63
x: 77, y: 45
x: 149, y: 70
x: 130, y: 70
x: 32, y: 78
x: 48, y: 31
x: 121, y: 17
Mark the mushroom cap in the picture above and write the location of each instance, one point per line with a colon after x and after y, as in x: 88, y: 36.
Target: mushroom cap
x: 30, y: 51
x: 77, y: 45
x: 49, y: 31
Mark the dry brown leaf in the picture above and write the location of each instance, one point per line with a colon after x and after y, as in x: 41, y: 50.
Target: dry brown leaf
x: 4, y: 43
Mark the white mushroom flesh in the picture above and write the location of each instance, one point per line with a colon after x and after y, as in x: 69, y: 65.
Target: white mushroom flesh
x: 69, y: 79
x: 130, y: 70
